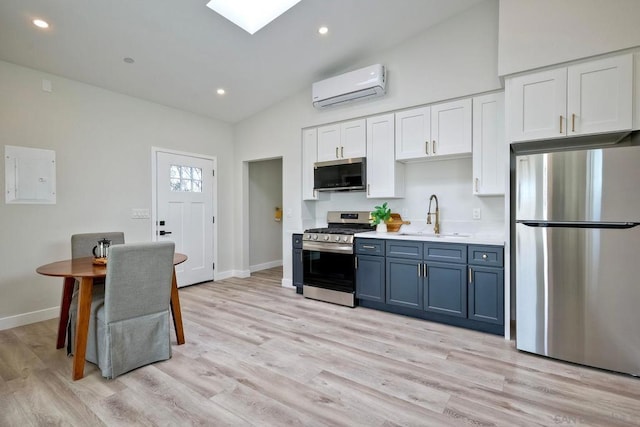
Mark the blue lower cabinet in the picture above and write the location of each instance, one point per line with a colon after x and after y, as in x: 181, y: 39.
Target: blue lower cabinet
x: 486, y: 294
x: 404, y: 283
x: 445, y: 289
x: 297, y: 263
x: 370, y: 277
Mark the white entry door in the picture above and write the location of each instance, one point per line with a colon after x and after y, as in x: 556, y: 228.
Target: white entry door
x: 184, y: 212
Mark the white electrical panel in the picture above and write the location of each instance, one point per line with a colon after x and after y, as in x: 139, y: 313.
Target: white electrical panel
x: 30, y: 175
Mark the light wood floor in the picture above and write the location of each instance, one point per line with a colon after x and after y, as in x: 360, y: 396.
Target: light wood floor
x: 258, y: 354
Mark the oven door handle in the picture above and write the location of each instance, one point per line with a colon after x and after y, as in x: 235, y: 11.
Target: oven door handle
x: 323, y: 247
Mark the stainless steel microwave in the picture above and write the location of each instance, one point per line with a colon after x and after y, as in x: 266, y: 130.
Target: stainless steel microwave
x: 340, y: 175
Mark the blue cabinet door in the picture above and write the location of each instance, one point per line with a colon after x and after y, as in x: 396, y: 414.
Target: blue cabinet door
x: 370, y: 277
x: 486, y: 295
x: 446, y: 289
x: 297, y: 268
x: 404, y: 283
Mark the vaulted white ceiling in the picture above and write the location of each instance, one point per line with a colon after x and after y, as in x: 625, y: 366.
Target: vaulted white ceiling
x: 184, y: 51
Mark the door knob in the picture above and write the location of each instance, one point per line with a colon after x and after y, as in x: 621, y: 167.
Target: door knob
x: 162, y: 232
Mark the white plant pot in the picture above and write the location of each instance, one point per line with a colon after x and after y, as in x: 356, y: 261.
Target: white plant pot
x: 381, y: 228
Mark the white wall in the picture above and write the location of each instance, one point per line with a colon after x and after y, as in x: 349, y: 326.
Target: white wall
x: 539, y: 33
x: 265, y: 194
x: 103, y: 146
x: 453, y: 59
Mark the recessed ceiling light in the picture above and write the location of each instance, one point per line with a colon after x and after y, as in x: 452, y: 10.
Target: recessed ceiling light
x: 221, y: 91
x: 251, y: 15
x: 129, y: 60
x: 40, y: 23
x: 323, y: 30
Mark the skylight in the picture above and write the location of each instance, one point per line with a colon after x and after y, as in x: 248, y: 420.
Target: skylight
x: 251, y: 15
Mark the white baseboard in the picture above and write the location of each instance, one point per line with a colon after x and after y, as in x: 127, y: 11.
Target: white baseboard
x: 265, y: 265
x: 223, y: 275
x: 28, y: 318
x: 287, y: 283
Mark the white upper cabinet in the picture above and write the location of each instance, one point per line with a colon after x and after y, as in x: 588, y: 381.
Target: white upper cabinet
x: 437, y: 130
x: 413, y: 133
x: 309, y: 157
x: 451, y: 128
x: 342, y: 140
x: 590, y: 97
x: 385, y: 176
x: 490, y: 158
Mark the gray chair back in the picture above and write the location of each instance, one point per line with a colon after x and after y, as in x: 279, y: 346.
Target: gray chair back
x: 82, y: 244
x: 138, y: 280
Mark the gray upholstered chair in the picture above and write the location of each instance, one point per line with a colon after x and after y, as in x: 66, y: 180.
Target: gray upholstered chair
x: 129, y: 325
x: 82, y: 246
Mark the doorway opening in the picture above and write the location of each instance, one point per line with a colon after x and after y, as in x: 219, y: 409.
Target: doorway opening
x: 265, y: 219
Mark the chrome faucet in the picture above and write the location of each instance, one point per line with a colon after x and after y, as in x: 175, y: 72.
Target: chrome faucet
x: 436, y: 226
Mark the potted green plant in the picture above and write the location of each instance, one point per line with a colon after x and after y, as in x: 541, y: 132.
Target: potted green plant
x: 379, y: 217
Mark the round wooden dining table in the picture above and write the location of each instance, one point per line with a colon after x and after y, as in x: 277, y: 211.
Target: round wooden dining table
x: 86, y: 271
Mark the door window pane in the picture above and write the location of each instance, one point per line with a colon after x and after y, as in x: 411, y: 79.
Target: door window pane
x: 185, y: 179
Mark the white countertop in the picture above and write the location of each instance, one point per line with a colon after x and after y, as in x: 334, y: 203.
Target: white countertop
x: 475, y: 239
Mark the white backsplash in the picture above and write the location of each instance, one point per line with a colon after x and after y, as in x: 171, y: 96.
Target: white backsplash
x: 449, y: 180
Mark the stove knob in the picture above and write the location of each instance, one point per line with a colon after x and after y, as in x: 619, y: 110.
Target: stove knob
x: 315, y: 237
x: 337, y: 238
x: 345, y: 239
x: 326, y: 238
x: 308, y: 237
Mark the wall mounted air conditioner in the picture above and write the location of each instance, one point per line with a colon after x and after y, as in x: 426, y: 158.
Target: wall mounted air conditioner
x: 367, y: 82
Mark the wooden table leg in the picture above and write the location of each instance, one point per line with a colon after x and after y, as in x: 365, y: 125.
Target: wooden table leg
x: 82, y: 327
x: 175, y: 309
x: 67, y: 294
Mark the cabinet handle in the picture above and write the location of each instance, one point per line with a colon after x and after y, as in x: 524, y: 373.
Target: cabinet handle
x: 433, y: 147
x: 356, y: 263
x: 341, y: 151
x: 573, y: 122
x: 561, y: 123
x: 424, y: 270
x: 477, y: 185
x: 470, y: 276
x: 368, y: 247
x: 484, y: 256
x: 337, y: 153
x: 368, y: 189
x: 426, y: 147
x: 419, y: 275
x: 301, y: 259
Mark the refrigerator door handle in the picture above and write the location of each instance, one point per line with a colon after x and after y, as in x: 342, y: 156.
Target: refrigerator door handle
x: 579, y: 224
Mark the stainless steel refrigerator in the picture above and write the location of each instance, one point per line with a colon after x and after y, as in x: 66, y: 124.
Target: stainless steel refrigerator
x: 577, y: 256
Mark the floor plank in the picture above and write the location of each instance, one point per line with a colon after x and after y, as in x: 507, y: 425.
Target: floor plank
x: 258, y: 354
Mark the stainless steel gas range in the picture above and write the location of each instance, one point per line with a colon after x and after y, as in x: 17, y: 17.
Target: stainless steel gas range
x: 329, y: 260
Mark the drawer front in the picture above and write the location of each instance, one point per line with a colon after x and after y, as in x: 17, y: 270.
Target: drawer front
x: 403, y: 249
x: 370, y: 247
x: 445, y: 252
x: 297, y: 241
x: 489, y: 256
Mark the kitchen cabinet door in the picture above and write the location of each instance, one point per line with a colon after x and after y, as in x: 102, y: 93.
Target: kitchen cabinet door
x: 538, y: 103
x: 590, y: 97
x: 404, y: 282
x: 451, y: 128
x: 329, y: 142
x: 445, y: 289
x: 486, y: 294
x: 342, y: 140
x: 353, y: 139
x: 309, y: 157
x: 370, y: 277
x: 490, y: 159
x: 600, y: 96
x: 385, y: 176
x: 413, y: 133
